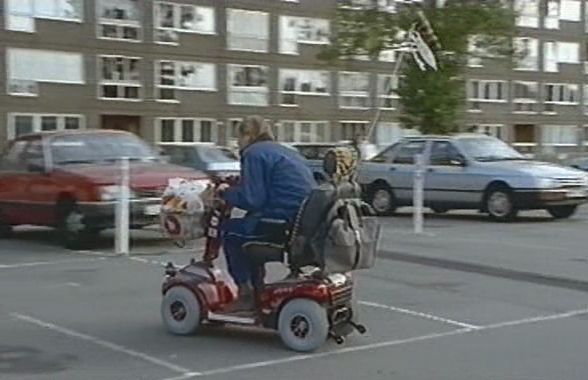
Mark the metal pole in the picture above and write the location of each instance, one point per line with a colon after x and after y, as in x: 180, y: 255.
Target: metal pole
x: 122, y: 211
x: 394, y: 73
x: 418, y: 196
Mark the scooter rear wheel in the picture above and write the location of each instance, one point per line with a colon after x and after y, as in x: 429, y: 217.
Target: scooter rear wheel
x: 303, y: 325
x: 181, y: 311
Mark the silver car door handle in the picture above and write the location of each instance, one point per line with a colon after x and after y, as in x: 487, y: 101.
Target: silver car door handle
x: 392, y: 169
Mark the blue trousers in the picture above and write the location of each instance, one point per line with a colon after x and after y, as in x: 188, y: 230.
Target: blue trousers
x: 237, y: 232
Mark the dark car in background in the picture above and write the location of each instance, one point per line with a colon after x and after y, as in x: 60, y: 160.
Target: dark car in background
x: 579, y: 163
x: 314, y: 153
x: 206, y: 157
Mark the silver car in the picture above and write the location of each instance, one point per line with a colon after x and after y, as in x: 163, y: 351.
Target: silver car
x: 471, y: 172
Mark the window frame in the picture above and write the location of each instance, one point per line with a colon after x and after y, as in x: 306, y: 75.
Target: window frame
x: 119, y: 84
x: 281, y: 79
x: 267, y: 39
x: 177, y: 14
x: 101, y: 21
x: 231, y: 87
x: 36, y: 122
x: 354, y: 94
x: 157, y: 79
x: 178, y: 130
x: 297, y: 133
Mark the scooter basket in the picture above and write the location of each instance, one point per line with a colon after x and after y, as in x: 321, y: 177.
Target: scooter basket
x: 182, y: 226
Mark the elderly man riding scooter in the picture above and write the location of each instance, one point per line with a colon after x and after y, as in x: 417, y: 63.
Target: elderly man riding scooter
x: 273, y: 185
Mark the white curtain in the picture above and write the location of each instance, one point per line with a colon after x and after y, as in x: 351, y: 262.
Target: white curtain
x: 196, y: 75
x: 568, y: 52
x: 288, y: 35
x: 570, y: 10
x: 47, y: 66
x: 248, y: 30
x: 550, y: 57
x: 354, y: 82
x: 529, y: 50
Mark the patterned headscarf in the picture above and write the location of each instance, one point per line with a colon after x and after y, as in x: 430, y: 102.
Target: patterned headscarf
x: 340, y: 164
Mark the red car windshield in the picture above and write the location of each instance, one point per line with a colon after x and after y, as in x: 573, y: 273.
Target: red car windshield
x: 91, y: 148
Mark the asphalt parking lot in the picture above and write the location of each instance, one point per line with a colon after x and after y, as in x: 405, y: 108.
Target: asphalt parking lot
x: 469, y: 299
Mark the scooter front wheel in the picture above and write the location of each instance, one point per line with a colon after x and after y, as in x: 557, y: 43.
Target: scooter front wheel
x: 303, y: 325
x: 181, y: 311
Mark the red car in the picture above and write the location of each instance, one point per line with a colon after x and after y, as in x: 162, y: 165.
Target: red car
x: 70, y: 180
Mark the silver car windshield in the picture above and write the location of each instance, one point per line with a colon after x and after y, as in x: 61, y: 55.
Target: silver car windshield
x: 489, y: 149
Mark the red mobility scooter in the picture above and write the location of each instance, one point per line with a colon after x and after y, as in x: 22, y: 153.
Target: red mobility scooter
x: 307, y: 307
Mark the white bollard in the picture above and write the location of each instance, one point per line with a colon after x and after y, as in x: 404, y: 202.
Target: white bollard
x: 418, y: 196
x: 122, y: 211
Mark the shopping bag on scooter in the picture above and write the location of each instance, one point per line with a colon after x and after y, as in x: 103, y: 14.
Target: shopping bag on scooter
x: 349, y: 239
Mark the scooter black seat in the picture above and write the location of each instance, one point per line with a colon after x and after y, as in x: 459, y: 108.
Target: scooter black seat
x: 264, y: 252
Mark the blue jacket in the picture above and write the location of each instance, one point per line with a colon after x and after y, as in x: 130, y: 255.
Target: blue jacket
x: 274, y: 181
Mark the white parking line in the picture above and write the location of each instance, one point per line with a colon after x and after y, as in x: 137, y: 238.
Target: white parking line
x: 42, y: 263
x: 105, y: 344
x: 419, y: 314
x: 386, y: 344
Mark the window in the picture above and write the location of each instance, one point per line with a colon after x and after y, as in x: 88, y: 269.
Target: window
x: 387, y: 86
x: 302, y: 30
x: 561, y: 93
x: 27, y: 67
x: 406, y: 154
x: 119, y: 20
x: 172, y: 18
x: 559, y: 135
x: 551, y: 20
x: 568, y: 52
x: 494, y: 130
x: 303, y: 82
x: 247, y: 30
x: 387, y: 56
x: 528, y: 13
x: 527, y: 50
x: 443, y: 153
x: 21, y: 124
x: 475, y: 53
x: 351, y: 129
x: 176, y: 75
x: 354, y: 90
x: 570, y: 10
x: 525, y: 95
x: 486, y: 91
x: 185, y: 130
x: 21, y: 14
x: 119, y: 78
x: 303, y: 131
x: 248, y: 85
x: 48, y: 123
x: 585, y: 97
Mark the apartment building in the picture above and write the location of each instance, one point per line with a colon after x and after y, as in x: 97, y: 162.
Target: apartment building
x: 188, y: 70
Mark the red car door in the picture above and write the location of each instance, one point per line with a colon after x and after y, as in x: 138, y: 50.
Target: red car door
x: 13, y: 180
x: 41, y: 189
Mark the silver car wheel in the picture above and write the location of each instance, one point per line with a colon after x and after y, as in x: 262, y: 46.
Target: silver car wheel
x: 499, y: 204
x: 381, y: 200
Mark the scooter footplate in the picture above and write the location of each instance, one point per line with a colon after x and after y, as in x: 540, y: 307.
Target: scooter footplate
x: 232, y: 318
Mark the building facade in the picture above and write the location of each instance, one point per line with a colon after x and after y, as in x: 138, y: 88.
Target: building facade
x: 188, y: 70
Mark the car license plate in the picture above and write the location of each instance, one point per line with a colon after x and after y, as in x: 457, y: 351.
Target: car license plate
x: 576, y: 193
x: 152, y: 210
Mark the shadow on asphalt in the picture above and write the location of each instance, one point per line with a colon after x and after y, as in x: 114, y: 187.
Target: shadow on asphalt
x: 482, y: 218
x: 48, y: 237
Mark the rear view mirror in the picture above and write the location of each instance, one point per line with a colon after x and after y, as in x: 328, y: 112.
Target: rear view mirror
x: 458, y: 160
